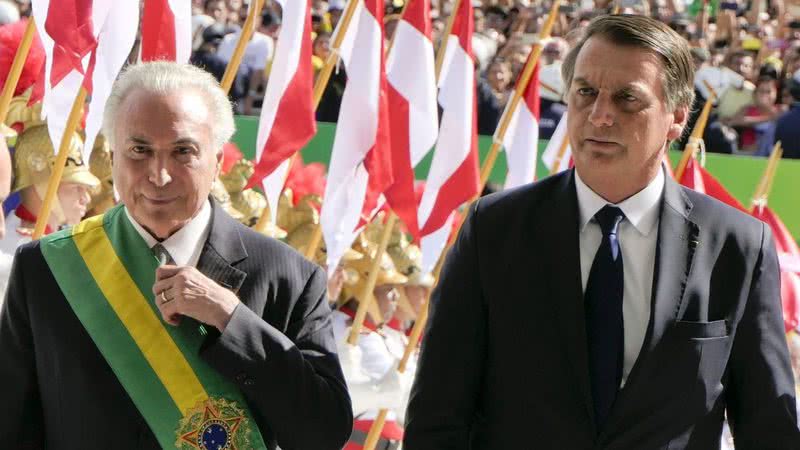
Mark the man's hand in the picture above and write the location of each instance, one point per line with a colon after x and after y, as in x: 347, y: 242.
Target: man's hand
x: 184, y: 291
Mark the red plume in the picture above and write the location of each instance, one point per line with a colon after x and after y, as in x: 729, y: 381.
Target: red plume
x: 33, y: 70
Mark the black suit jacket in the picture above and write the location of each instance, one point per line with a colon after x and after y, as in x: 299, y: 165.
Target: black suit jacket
x: 58, y: 392
x: 504, y: 361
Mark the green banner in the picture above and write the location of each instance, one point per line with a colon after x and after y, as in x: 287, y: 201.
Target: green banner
x: 739, y: 174
x: 106, y: 272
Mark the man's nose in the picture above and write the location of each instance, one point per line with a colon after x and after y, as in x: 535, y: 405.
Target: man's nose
x: 159, y: 174
x: 602, y: 114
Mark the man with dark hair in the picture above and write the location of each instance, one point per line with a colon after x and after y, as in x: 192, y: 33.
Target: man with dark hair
x: 607, y: 307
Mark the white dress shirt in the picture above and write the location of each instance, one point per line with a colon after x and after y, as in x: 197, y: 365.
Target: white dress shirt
x: 638, y: 235
x: 186, y: 244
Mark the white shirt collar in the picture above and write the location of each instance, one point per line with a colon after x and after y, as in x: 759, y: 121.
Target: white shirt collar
x: 186, y: 244
x: 641, y: 209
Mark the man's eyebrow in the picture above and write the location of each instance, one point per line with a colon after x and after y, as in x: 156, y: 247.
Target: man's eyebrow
x: 138, y: 140
x: 186, y: 140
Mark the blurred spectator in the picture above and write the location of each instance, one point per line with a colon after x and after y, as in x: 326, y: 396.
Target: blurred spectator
x: 554, y: 50
x: 217, y: 10
x: 493, y: 92
x: 739, y: 93
x: 551, y: 104
x: 207, y: 58
x: 257, y: 56
x: 9, y: 12
x: 753, y: 121
x: 787, y: 130
x: 321, y: 50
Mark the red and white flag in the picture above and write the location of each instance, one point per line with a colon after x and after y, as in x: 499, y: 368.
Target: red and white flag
x: 787, y: 251
x: 698, y: 178
x: 166, y: 30
x: 361, y: 162
x: 521, y: 141
x: 86, y: 43
x: 287, y: 120
x: 554, y: 158
x: 410, y: 72
x: 453, y: 177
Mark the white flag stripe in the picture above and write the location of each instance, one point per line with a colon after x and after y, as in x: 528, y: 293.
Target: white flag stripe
x: 182, y: 11
x: 433, y: 245
x: 410, y: 70
x: 356, y: 132
x: 521, y: 146
x: 273, y: 186
x: 284, y: 66
x: 455, y: 135
x: 550, y: 153
x: 116, y: 40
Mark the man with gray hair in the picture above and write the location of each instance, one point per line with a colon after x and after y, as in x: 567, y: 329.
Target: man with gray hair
x: 628, y: 312
x: 164, y: 323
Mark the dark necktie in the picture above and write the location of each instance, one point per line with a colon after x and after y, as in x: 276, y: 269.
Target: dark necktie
x: 604, y: 325
x: 162, y: 255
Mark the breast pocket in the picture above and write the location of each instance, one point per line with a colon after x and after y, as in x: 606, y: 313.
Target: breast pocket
x: 708, y: 344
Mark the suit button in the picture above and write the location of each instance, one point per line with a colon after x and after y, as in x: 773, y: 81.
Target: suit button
x: 240, y: 377
x: 249, y: 382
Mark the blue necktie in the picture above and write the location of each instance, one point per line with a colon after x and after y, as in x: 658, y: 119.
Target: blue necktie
x: 604, y: 324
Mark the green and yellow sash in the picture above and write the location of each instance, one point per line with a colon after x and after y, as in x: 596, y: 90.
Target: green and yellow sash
x: 106, y: 272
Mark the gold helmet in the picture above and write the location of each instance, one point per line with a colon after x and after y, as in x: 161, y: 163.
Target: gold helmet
x: 300, y: 237
x: 362, y: 267
x: 271, y: 229
x: 100, y: 166
x: 408, y: 261
x: 34, y: 155
x: 290, y: 218
x: 222, y: 197
x: 248, y: 202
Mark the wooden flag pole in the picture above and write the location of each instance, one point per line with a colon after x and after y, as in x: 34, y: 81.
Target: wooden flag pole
x: 333, y: 58
x: 765, y: 184
x: 762, y: 182
x: 697, y: 133
x: 73, y: 119
x: 372, y: 278
x: 445, y: 37
x: 16, y: 69
x: 422, y: 318
x: 244, y: 38
x: 562, y: 151
x: 374, y: 434
x: 519, y: 90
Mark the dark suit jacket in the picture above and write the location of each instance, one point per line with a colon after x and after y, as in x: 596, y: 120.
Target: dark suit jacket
x: 504, y: 361
x: 58, y: 392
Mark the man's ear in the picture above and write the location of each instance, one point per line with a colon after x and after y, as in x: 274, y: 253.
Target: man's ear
x: 220, y: 161
x: 679, y: 118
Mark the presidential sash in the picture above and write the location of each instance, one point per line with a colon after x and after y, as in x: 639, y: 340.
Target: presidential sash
x: 106, y: 272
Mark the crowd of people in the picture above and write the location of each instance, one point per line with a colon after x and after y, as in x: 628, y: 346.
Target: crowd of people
x: 749, y: 52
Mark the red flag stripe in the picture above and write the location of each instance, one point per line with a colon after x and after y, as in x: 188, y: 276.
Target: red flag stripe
x: 158, y: 31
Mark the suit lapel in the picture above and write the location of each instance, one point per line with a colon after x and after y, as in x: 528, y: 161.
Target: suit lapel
x: 677, y: 239
x: 222, y: 250
x: 559, y: 225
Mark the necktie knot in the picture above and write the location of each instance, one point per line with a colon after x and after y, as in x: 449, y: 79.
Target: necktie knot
x: 162, y: 254
x: 609, y: 219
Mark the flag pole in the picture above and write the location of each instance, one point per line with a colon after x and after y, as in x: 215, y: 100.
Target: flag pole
x: 697, y: 132
x: 333, y: 58
x: 445, y: 37
x: 765, y: 184
x: 375, y: 430
x: 58, y: 167
x: 244, y: 38
x: 562, y: 150
x: 372, y: 278
x: 16, y: 69
x: 422, y: 317
x: 519, y: 90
